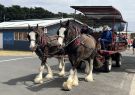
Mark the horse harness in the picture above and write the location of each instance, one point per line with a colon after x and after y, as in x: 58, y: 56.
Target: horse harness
x: 45, y: 41
x: 78, y: 40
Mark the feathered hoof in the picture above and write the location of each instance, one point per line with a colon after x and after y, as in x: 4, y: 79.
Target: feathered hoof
x: 49, y: 76
x: 86, y: 71
x: 38, y: 80
x: 67, y: 86
x: 60, y: 68
x: 89, y: 79
x: 75, y: 83
x: 41, y: 82
x: 61, y: 74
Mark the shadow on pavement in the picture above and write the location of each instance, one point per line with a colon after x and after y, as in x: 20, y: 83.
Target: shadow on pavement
x: 128, y: 65
x: 27, y: 81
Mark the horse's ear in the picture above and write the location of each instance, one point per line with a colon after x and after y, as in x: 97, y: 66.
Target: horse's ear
x: 60, y: 22
x: 67, y: 24
x: 37, y: 25
x: 29, y: 27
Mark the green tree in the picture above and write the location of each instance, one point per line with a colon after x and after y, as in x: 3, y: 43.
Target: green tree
x: 2, y: 8
x: 16, y: 12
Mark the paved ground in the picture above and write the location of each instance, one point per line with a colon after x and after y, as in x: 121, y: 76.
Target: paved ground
x: 17, y: 74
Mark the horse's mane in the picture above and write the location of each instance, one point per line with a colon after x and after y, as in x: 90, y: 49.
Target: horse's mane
x: 74, y: 27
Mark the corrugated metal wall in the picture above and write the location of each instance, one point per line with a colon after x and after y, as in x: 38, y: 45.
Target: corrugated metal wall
x: 10, y: 44
x: 8, y: 40
x: 21, y: 45
x: 1, y: 40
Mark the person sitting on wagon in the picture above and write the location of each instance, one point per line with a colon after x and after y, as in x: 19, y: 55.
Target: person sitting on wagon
x: 106, y: 37
x: 86, y: 30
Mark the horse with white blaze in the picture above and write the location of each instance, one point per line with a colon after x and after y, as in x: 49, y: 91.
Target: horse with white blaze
x: 45, y: 46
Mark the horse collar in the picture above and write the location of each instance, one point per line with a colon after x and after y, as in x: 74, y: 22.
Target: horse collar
x: 75, y: 39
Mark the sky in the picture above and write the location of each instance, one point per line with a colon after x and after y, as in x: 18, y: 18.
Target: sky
x: 126, y: 7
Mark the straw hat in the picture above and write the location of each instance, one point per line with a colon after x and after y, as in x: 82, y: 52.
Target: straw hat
x: 106, y: 28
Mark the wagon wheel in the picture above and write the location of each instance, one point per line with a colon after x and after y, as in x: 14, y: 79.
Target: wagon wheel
x: 118, y: 60
x: 108, y: 65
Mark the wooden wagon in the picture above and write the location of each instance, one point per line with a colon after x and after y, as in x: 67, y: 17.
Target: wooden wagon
x: 96, y: 16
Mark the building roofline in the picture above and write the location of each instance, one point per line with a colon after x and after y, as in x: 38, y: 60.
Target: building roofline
x: 24, y: 24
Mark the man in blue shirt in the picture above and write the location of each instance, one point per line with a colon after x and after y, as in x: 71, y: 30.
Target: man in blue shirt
x: 106, y: 37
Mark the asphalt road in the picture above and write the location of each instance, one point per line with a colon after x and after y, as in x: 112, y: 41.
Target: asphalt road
x: 17, y: 74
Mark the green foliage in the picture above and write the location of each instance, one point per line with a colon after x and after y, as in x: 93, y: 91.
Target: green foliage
x: 16, y: 12
x: 1, y: 12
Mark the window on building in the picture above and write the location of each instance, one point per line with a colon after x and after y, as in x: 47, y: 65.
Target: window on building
x: 20, y: 36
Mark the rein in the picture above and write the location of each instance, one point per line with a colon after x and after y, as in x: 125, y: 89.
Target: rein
x: 60, y: 36
x: 51, y: 39
x: 32, y: 40
x: 72, y: 41
x: 43, y: 41
x: 76, y: 33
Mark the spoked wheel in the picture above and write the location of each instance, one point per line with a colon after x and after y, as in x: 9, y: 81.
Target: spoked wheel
x: 118, y: 60
x: 108, y: 65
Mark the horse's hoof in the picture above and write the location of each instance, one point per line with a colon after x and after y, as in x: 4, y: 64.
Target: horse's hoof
x: 37, y: 80
x: 86, y: 71
x: 61, y: 74
x: 67, y: 86
x: 41, y: 82
x: 49, y: 76
x: 60, y: 68
x: 89, y: 79
x: 75, y: 83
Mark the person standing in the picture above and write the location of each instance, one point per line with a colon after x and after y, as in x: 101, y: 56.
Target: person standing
x: 133, y: 44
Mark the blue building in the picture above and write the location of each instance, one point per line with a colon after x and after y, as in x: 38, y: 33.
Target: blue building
x: 13, y: 34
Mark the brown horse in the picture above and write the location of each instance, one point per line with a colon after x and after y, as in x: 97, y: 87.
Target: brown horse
x: 79, y: 48
x: 45, y: 46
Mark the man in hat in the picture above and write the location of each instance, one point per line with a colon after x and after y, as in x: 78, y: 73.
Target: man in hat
x: 106, y: 37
